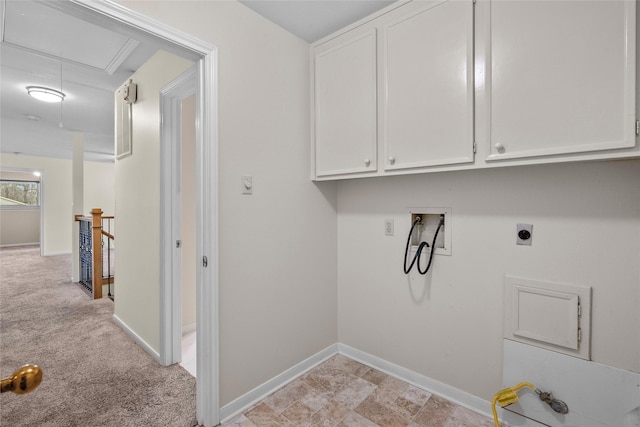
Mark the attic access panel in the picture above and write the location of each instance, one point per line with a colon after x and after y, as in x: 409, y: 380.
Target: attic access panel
x: 36, y: 27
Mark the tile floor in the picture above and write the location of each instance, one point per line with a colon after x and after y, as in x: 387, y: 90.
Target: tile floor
x: 342, y: 392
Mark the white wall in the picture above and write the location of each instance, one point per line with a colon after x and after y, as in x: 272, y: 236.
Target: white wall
x: 137, y: 190
x: 277, y: 246
x: 586, y: 230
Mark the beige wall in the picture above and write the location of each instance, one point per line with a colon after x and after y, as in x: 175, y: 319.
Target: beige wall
x: 99, y: 183
x: 277, y: 246
x: 19, y: 227
x: 137, y: 189
x: 586, y: 230
x: 57, y: 194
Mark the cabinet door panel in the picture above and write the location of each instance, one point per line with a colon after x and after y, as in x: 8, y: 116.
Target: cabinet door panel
x: 562, y: 77
x: 345, y: 106
x: 428, y: 83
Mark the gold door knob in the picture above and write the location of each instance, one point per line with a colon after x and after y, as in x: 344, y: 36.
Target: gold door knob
x: 23, y: 381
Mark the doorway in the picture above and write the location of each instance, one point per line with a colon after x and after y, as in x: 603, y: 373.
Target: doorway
x: 188, y: 235
x: 178, y: 340
x: 115, y: 16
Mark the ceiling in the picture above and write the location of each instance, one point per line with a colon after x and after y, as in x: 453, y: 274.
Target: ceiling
x: 312, y: 20
x: 42, y: 45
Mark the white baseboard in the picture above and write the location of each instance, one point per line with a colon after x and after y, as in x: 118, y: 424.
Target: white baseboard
x: 443, y: 390
x: 257, y: 394
x: 457, y: 396
x: 12, y: 245
x: 137, y: 338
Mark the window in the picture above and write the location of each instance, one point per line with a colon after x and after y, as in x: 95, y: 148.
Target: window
x: 19, y: 194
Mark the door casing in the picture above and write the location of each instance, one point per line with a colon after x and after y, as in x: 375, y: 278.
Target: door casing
x: 113, y: 15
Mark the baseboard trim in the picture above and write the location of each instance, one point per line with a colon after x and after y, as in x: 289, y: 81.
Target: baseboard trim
x: 245, y: 401
x: 56, y: 253
x: 137, y: 338
x: 453, y: 394
x: 448, y: 392
x: 13, y: 245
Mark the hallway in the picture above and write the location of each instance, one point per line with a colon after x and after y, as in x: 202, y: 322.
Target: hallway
x: 94, y: 374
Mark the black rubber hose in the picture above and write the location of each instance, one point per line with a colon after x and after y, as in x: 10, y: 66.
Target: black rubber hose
x: 420, y: 248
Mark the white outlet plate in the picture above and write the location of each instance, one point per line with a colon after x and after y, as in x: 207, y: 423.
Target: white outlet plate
x: 388, y: 227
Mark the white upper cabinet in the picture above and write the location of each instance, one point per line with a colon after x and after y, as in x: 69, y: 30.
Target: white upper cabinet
x: 427, y: 80
x: 345, y: 98
x: 399, y: 86
x: 443, y: 85
x: 559, y: 77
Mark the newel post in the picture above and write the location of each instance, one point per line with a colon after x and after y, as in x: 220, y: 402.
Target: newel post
x: 96, y: 213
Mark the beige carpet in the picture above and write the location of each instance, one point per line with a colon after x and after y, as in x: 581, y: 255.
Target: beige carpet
x: 93, y: 373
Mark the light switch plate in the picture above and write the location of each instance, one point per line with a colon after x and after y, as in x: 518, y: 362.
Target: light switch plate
x: 247, y: 184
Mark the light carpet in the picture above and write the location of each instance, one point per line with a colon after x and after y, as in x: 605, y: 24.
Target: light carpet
x: 94, y: 374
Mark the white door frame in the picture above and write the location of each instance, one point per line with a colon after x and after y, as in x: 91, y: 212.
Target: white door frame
x: 171, y: 97
x: 208, y: 406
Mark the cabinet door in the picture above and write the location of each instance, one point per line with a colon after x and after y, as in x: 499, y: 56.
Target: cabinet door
x: 428, y: 83
x: 345, y: 105
x: 561, y: 77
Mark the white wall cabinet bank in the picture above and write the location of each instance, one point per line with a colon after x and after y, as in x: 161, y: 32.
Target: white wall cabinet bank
x: 447, y: 85
x: 398, y: 88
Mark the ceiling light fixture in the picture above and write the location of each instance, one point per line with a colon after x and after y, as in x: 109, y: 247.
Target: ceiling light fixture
x: 45, y: 94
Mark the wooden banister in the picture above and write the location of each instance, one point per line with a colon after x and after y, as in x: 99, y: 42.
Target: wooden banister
x: 96, y: 214
x: 96, y: 256
x: 109, y: 235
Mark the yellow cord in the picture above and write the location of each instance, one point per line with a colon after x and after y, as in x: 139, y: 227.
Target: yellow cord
x: 506, y: 397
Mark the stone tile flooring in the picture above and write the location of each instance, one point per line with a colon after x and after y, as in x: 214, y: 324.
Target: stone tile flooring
x: 342, y: 392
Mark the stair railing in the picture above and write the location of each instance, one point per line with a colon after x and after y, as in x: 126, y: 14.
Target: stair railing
x: 91, y: 252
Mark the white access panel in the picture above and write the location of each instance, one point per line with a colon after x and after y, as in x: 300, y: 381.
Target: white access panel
x: 554, y: 316
x: 561, y: 77
x: 427, y: 72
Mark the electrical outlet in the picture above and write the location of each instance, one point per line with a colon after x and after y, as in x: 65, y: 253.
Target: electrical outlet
x: 524, y: 234
x: 388, y: 227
